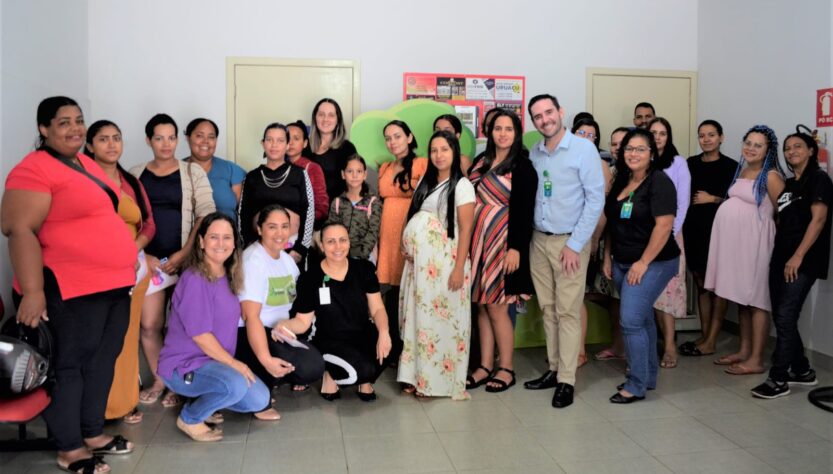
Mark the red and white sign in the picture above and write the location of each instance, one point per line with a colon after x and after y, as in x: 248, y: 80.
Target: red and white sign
x: 471, y: 95
x: 824, y: 108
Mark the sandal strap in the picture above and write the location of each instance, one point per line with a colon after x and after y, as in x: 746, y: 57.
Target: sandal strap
x: 118, y: 443
x: 509, y: 371
x: 85, y: 466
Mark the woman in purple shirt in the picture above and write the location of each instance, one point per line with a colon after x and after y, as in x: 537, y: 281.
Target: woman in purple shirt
x: 197, y: 360
x: 671, y: 304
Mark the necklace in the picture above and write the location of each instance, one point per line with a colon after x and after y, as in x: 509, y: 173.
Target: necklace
x: 275, y: 183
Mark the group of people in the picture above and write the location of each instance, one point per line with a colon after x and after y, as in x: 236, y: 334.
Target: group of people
x: 296, y: 272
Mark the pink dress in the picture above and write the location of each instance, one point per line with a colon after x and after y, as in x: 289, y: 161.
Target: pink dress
x: 741, y: 246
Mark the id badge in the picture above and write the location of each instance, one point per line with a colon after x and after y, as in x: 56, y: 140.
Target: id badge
x: 324, y: 295
x: 627, y: 208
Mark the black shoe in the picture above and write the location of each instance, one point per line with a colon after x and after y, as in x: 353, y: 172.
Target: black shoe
x: 471, y: 383
x: 366, y: 397
x: 808, y: 378
x: 771, y: 389
x: 563, y: 396
x: 331, y: 397
x: 548, y: 380
x: 621, y: 399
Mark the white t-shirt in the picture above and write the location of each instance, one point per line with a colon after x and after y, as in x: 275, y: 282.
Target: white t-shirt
x: 463, y: 194
x: 270, y: 282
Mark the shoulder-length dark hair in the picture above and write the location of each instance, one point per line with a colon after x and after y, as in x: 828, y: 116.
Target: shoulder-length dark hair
x: 403, y: 178
x: 233, y: 264
x: 588, y: 121
x: 339, y: 134
x: 516, y: 150
x: 623, y: 173
x: 812, y: 162
x: 666, y: 158
x: 131, y: 180
x: 452, y: 119
x: 429, y: 181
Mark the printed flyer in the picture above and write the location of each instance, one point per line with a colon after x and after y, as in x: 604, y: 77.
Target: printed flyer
x: 472, y: 95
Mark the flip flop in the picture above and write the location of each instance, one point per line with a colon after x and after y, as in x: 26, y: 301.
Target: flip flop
x: 300, y: 388
x: 607, y: 354
x: 691, y: 350
x: 149, y: 397
x: 727, y: 360
x: 171, y: 400
x: 132, y: 418
x: 738, y: 369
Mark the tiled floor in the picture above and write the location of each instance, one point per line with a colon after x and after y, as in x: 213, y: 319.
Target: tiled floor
x: 699, y: 420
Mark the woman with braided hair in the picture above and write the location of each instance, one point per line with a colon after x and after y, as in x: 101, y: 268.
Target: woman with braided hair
x: 741, y: 245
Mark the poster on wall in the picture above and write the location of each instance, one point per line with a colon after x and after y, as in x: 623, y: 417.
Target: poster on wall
x: 472, y: 95
x: 824, y: 122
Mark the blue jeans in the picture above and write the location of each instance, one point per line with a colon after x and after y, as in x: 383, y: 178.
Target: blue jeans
x: 216, y: 386
x: 639, y: 331
x: 787, y: 300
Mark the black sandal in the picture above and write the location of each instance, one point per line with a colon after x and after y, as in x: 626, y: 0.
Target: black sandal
x: 472, y: 384
x: 503, y: 386
x: 84, y: 466
x: 118, y: 445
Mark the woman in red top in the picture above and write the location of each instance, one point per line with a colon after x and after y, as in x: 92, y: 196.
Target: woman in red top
x: 73, y: 260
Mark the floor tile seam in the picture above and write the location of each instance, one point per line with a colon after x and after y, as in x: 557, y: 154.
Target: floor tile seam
x: 709, y: 428
x: 762, y: 459
x: 787, y: 420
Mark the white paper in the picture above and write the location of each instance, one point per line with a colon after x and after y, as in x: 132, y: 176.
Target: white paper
x: 161, y: 281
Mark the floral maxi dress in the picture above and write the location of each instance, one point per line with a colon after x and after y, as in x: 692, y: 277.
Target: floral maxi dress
x: 435, y: 322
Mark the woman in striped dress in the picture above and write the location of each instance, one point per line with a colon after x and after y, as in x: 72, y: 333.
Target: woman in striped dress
x: 500, y: 245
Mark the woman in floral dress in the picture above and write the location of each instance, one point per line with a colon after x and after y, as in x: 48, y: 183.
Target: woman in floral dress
x: 435, y: 303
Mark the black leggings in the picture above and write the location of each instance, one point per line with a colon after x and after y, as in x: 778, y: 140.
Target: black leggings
x: 89, y: 333
x: 309, y: 365
x: 352, y: 360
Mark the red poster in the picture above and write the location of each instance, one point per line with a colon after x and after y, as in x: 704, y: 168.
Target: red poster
x: 824, y: 108
x: 472, y: 95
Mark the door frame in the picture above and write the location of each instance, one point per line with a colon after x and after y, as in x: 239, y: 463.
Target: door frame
x: 593, y: 72
x: 233, y: 62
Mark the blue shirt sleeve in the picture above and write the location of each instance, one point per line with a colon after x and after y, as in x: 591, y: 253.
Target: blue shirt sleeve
x: 237, y: 174
x: 592, y: 182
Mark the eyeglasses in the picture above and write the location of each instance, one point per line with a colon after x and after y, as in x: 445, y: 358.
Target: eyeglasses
x: 637, y: 149
x: 587, y: 135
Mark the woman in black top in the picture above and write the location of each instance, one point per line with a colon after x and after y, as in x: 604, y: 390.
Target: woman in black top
x: 328, y: 144
x: 712, y: 173
x: 800, y: 256
x: 341, y: 297
x: 641, y: 255
x: 278, y: 182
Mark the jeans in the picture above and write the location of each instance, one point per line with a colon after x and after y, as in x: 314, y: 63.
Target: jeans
x: 216, y: 386
x: 787, y: 300
x: 639, y: 331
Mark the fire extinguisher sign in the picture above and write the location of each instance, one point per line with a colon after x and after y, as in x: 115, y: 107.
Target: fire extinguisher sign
x: 824, y: 108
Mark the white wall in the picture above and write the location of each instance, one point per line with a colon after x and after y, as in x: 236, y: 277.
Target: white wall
x: 44, y: 53
x: 170, y: 56
x: 778, y: 55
